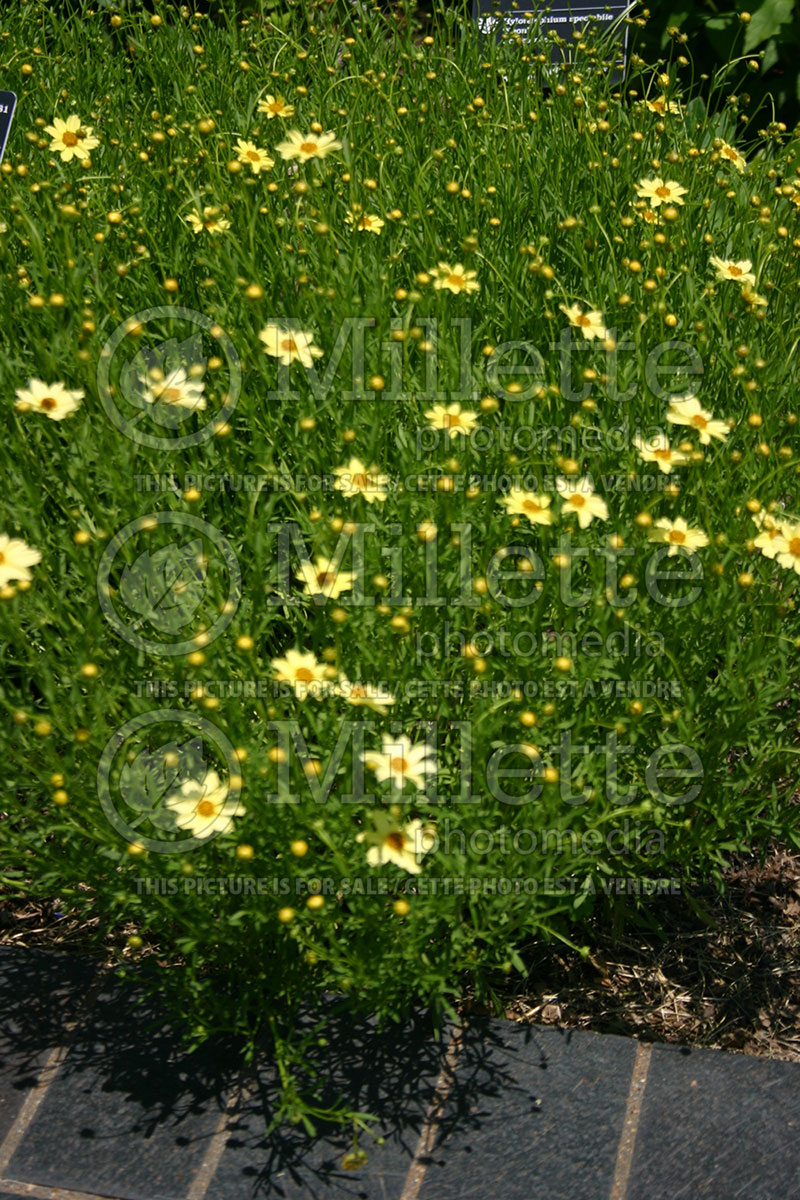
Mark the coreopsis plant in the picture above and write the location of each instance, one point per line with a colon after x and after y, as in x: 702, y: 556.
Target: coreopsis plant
x: 374, y: 607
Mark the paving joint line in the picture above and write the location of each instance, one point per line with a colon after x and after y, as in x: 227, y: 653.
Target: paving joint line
x: 36, y: 1191
x: 630, y: 1125
x: 205, y: 1173
x: 45, y: 1077
x: 430, y: 1126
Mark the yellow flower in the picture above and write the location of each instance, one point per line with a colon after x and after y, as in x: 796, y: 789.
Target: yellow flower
x: 662, y: 106
x: 177, y: 389
x: 740, y: 271
x: 303, y: 672
x: 658, y: 450
x: 202, y: 806
x: 580, y: 498
x: 590, y: 323
x: 71, y: 139
x: 649, y: 216
x: 365, y: 222
x: 452, y: 418
x: 658, y: 192
x: 324, y: 578
x: 16, y: 557
x: 356, y: 480
x: 364, y: 695
x: 257, y: 159
x: 772, y: 537
x: 307, y: 145
x: 210, y: 221
x: 687, y: 410
x: 677, y: 534
x: 455, y: 279
x: 390, y: 842
x: 275, y: 106
x: 788, y: 546
x: 732, y: 155
x: 528, y: 504
x: 400, y: 761
x: 289, y: 345
x: 753, y: 298
x: 52, y: 399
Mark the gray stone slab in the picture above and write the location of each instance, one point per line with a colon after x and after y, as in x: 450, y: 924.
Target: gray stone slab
x: 39, y: 995
x: 391, y: 1073
x: 533, y: 1112
x: 129, y: 1114
x: 719, y: 1126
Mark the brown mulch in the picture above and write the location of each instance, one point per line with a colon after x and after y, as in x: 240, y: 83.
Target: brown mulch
x: 731, y: 981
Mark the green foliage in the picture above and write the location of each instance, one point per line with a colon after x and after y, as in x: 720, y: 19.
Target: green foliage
x: 498, y: 637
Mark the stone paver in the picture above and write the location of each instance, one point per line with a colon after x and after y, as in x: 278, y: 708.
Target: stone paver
x: 496, y: 1111
x: 718, y: 1126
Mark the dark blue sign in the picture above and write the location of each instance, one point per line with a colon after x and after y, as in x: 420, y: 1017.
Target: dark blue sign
x: 8, y: 102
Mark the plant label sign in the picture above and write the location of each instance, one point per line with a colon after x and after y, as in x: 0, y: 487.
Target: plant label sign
x: 8, y: 102
x: 559, y: 16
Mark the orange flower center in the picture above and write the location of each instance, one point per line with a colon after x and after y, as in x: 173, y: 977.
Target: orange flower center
x: 666, y: 455
x: 69, y: 138
x: 171, y: 394
x: 358, y: 690
x: 47, y: 403
x: 326, y: 578
x: 2, y: 557
x: 531, y: 506
x: 289, y: 345
x: 396, y: 840
x: 206, y: 808
x: 253, y: 155
x: 794, y: 546
x: 677, y: 537
x: 309, y: 147
x: 451, y: 420
x: 360, y: 481
x: 577, y: 501
x: 735, y: 271
x: 399, y: 764
x: 304, y: 675
x: 456, y: 280
x: 584, y: 320
x: 663, y: 192
x: 275, y: 107
x: 699, y: 422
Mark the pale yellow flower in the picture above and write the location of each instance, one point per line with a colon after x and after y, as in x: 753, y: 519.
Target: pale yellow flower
x: 581, y: 500
x: 772, y: 535
x: 275, y: 106
x: 71, y: 138
x: 402, y: 845
x: 662, y: 106
x: 365, y: 695
x: 452, y: 418
x: 687, y: 410
x: 202, y: 806
x: 658, y: 450
x: 677, y: 534
x: 657, y: 192
x: 178, y: 390
x: 210, y: 221
x: 305, y: 146
x: 357, y: 480
x: 305, y: 674
x: 788, y: 547
x: 290, y: 345
x: 365, y: 222
x: 257, y: 159
x: 16, y: 557
x: 53, y: 399
x: 590, y: 323
x: 455, y: 279
x: 732, y: 155
x: 400, y: 761
x: 324, y: 578
x: 528, y: 504
x: 740, y: 271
